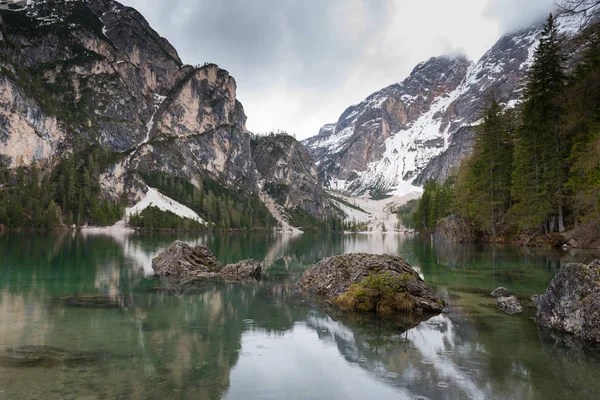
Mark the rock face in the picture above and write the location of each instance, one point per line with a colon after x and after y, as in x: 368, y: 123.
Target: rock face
x: 102, y: 76
x: 455, y: 228
x: 572, y: 301
x: 181, y: 262
x: 418, y: 129
x: 335, y: 277
x: 290, y: 176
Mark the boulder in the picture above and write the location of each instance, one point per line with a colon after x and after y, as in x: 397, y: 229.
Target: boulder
x: 455, y: 228
x: 383, y: 284
x: 572, y: 301
x: 509, y: 304
x: 242, y: 271
x: 186, y: 265
x: 182, y: 261
x: 536, y: 298
x: 501, y: 292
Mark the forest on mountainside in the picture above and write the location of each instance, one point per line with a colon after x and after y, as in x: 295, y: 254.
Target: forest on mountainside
x: 536, y: 168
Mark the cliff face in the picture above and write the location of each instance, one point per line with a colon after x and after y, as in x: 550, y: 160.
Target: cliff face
x: 81, y: 72
x: 289, y: 175
x: 418, y: 129
x: 347, y: 150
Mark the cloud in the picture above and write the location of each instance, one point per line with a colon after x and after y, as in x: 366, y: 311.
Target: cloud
x: 515, y: 14
x: 299, y: 64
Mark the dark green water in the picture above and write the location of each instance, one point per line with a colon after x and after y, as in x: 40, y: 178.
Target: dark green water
x: 264, y: 341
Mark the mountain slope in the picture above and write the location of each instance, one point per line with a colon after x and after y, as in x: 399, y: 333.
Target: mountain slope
x: 81, y: 73
x: 418, y: 129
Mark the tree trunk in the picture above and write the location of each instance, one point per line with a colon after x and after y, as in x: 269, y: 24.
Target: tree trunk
x: 552, y: 223
x: 561, y: 219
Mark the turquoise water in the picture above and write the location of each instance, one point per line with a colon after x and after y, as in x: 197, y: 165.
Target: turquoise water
x: 264, y: 340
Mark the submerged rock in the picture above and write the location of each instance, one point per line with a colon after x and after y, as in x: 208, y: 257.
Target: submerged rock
x: 572, y: 301
x: 501, y: 292
x: 509, y: 304
x: 182, y: 261
x: 185, y: 264
x: 506, y: 301
x: 93, y: 300
x: 28, y: 356
x: 370, y: 283
x: 243, y: 270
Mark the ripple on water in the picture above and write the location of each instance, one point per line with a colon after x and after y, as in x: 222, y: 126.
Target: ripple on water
x: 248, y: 321
x: 246, y: 354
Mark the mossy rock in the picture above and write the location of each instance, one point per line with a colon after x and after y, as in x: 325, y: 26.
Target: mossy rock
x: 380, y: 284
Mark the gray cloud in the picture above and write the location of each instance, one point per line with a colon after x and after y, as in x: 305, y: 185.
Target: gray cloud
x: 299, y: 64
x: 515, y: 14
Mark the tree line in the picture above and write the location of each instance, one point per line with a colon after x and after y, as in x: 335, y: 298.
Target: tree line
x: 535, y: 168
x: 68, y: 194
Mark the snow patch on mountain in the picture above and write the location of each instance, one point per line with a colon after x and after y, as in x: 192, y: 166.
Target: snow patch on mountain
x: 154, y: 198
x: 418, y: 120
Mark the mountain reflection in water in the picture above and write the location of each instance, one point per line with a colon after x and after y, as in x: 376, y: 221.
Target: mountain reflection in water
x: 93, y: 294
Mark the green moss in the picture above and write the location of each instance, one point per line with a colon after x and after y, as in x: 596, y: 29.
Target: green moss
x: 383, y: 294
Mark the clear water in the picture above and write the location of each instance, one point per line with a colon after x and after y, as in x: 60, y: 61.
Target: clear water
x: 264, y: 340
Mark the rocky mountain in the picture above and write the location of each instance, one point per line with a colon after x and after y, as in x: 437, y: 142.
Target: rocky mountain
x: 418, y: 129
x: 83, y: 73
x: 289, y: 175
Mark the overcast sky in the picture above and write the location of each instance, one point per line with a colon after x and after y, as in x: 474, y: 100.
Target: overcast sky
x: 300, y: 63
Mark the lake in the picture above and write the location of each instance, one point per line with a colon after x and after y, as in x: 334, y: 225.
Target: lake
x: 264, y: 340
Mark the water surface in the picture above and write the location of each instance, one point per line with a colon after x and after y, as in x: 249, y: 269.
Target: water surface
x: 264, y: 340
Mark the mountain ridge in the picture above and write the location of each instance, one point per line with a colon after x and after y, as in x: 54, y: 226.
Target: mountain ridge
x: 434, y: 140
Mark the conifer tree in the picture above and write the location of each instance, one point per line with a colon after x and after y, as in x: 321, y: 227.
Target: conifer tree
x: 540, y: 147
x: 489, y: 174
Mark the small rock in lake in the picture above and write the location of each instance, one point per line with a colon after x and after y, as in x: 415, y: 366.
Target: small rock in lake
x: 243, y: 270
x: 501, y: 292
x: 509, y: 304
x: 536, y: 298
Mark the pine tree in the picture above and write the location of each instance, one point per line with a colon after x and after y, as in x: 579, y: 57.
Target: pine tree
x: 489, y: 176
x: 540, y: 147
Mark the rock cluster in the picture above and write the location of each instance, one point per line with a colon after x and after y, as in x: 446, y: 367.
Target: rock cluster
x: 506, y: 301
x: 182, y: 262
x: 336, y: 279
x: 572, y: 301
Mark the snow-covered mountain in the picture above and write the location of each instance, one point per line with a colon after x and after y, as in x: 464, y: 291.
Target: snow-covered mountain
x: 418, y: 129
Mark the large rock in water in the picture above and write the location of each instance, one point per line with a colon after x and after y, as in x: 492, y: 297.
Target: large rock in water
x: 371, y: 283
x: 181, y: 262
x: 572, y: 302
